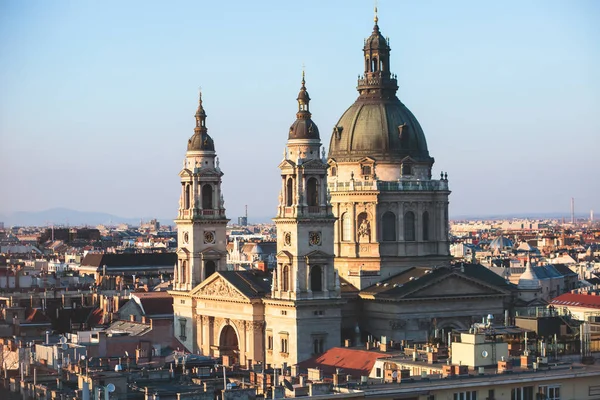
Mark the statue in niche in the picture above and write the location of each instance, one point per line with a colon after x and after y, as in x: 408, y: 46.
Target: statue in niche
x: 364, y: 228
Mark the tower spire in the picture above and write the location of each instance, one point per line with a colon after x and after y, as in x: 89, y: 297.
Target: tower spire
x: 200, y: 113
x: 376, y: 19
x: 303, y: 99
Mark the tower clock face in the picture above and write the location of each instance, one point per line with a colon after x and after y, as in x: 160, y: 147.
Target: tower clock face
x: 287, y: 238
x: 314, y: 238
x: 209, y: 237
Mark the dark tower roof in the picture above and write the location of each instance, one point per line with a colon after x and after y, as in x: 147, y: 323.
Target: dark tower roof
x: 303, y: 127
x: 378, y: 124
x: 200, y: 140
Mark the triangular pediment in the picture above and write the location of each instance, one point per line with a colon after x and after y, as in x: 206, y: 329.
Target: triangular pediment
x: 332, y: 161
x: 284, y: 256
x: 408, y: 159
x: 317, y: 255
x: 313, y: 163
x: 183, y: 251
x: 367, y: 160
x: 217, y: 287
x: 286, y: 164
x: 211, y: 251
x: 185, y: 172
x: 454, y: 285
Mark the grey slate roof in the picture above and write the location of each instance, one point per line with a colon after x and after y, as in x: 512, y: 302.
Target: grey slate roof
x: 253, y: 283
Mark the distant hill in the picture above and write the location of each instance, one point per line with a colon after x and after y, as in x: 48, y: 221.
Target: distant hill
x: 65, y: 216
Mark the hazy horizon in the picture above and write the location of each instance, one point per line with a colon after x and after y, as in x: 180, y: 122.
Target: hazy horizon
x: 98, y: 98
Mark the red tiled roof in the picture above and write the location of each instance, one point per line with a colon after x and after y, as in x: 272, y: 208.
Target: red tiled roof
x: 155, y: 303
x: 577, y: 300
x: 352, y: 361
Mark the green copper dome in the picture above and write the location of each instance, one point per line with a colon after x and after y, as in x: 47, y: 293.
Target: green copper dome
x: 378, y: 125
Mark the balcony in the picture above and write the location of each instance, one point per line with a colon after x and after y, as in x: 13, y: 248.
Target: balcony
x: 389, y: 186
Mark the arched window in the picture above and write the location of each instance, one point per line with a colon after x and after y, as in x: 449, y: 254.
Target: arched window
x: 316, y: 279
x: 289, y: 192
x: 285, y: 278
x: 388, y: 222
x: 409, y: 226
x: 209, y: 268
x: 184, y: 271
x: 425, y: 226
x: 407, y: 169
x: 188, y: 196
x: 333, y: 171
x: 366, y: 64
x: 374, y: 65
x: 381, y: 68
x: 312, y: 192
x: 346, y: 227
x: 207, y: 197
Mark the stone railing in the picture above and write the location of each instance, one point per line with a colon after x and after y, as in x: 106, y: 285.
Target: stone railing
x: 388, y: 186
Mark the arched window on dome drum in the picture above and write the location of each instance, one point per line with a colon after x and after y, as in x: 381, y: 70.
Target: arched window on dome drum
x: 312, y: 192
x: 289, y: 192
x: 367, y: 62
x: 316, y: 279
x: 207, y: 196
x: 374, y: 65
x: 285, y: 278
x: 388, y: 223
x: 407, y: 169
x: 188, y: 196
x: 425, y: 226
x: 346, y: 228
x: 409, y: 227
x: 381, y: 64
x: 209, y: 268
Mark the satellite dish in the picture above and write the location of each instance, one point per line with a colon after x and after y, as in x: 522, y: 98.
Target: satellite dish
x: 110, y: 388
x: 63, y: 340
x: 484, y: 354
x: 288, y: 385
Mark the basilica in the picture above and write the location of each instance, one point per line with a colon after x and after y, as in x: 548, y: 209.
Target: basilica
x: 362, y: 239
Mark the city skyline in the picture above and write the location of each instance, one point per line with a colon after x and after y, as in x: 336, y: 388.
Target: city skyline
x: 99, y: 102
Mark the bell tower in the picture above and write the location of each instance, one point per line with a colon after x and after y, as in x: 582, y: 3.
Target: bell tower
x: 201, y: 220
x: 303, y: 314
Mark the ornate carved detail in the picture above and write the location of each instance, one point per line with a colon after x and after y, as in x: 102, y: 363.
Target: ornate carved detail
x: 217, y: 321
x: 221, y: 289
x: 397, y: 324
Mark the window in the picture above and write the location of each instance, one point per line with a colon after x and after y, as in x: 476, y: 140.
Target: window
x: 269, y: 341
x: 491, y: 394
x: 318, y: 312
x: 289, y: 192
x: 182, y: 323
x: 316, y: 279
x: 425, y: 226
x: 318, y: 345
x: 285, y: 278
x: 409, y: 226
x: 283, y: 312
x: 184, y: 271
x: 549, y: 392
x: 366, y: 170
x: 187, y: 198
x: 407, y: 167
x: 388, y: 222
x: 471, y: 395
x: 378, y: 372
x: 333, y: 171
x: 284, y: 345
x: 346, y: 228
x: 522, y: 393
x: 207, y: 196
x: 312, y: 192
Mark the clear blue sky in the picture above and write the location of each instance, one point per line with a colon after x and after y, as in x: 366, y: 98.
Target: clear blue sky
x: 97, y: 98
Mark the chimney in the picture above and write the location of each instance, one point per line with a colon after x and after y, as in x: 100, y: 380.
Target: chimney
x: 262, y: 266
x: 132, y: 318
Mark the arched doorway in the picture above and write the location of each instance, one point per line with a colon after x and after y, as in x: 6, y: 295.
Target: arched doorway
x: 228, y: 344
x: 210, y: 268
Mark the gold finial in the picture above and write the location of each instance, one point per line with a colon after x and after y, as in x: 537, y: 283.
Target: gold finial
x: 200, y: 95
x: 376, y: 19
x: 303, y: 71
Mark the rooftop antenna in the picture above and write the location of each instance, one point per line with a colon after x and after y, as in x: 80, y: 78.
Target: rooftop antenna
x: 573, y: 210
